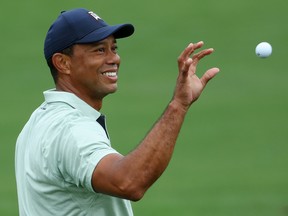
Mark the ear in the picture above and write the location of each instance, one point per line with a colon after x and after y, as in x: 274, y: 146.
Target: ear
x: 61, y: 62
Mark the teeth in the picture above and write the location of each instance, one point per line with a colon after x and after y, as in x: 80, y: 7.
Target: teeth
x: 110, y: 74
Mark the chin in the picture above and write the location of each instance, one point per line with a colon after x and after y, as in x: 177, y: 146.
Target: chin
x: 112, y: 90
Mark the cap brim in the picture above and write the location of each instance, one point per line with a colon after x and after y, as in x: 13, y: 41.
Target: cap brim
x: 118, y: 31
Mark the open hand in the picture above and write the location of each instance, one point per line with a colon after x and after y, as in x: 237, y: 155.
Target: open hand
x: 189, y: 86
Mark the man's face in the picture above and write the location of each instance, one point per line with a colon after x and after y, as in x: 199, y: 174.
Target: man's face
x: 94, y: 68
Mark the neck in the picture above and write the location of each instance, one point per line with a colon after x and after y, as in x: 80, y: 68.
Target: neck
x: 96, y: 103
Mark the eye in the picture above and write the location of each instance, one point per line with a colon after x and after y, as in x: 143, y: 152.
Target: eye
x: 100, y: 49
x: 114, y: 48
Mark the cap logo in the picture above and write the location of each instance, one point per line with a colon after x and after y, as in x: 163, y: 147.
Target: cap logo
x: 94, y: 15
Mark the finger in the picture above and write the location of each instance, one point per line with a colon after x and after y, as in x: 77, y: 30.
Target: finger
x: 186, y: 66
x: 198, y: 56
x: 208, y: 75
x: 193, y: 47
x: 189, y: 50
x: 184, y: 60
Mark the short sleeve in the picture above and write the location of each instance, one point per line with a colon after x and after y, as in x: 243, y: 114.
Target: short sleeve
x: 81, y: 148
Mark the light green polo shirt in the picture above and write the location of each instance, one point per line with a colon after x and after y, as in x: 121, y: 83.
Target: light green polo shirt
x: 56, y: 153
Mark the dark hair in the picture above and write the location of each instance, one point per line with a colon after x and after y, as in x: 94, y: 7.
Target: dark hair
x: 67, y: 51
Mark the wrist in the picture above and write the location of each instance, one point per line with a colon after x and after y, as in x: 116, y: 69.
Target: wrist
x: 179, y: 107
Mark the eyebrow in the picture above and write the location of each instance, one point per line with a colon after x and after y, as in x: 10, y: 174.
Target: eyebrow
x: 102, y: 42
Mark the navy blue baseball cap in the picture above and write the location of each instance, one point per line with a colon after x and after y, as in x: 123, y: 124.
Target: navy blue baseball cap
x: 80, y: 26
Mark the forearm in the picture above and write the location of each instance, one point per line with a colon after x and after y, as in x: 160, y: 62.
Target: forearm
x: 144, y: 165
x: 159, y: 143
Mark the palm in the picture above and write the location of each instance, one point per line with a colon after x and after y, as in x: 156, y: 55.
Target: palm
x: 189, y: 86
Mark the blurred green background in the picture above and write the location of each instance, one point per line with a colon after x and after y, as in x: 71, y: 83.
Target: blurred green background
x: 231, y: 157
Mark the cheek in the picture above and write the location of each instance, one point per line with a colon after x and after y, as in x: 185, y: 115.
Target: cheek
x: 86, y: 66
x: 87, y: 73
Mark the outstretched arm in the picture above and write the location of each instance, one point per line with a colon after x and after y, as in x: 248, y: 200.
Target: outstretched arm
x: 130, y: 176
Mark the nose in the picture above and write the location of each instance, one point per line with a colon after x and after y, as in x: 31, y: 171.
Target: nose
x: 113, y: 58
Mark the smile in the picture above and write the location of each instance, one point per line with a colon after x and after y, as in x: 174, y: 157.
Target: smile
x: 110, y: 74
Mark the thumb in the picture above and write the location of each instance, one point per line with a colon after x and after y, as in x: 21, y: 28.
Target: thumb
x: 208, y: 75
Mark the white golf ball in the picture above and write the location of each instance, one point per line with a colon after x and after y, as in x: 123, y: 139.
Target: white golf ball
x: 263, y: 50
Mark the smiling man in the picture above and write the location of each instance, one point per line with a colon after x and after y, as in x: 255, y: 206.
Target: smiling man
x: 92, y: 68
x: 65, y: 164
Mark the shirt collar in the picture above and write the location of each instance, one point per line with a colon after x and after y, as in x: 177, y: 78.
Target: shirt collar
x: 69, y: 98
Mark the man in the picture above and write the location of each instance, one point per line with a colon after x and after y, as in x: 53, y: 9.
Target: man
x: 65, y: 164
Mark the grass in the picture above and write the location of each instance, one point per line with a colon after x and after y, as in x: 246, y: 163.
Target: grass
x: 231, y: 156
